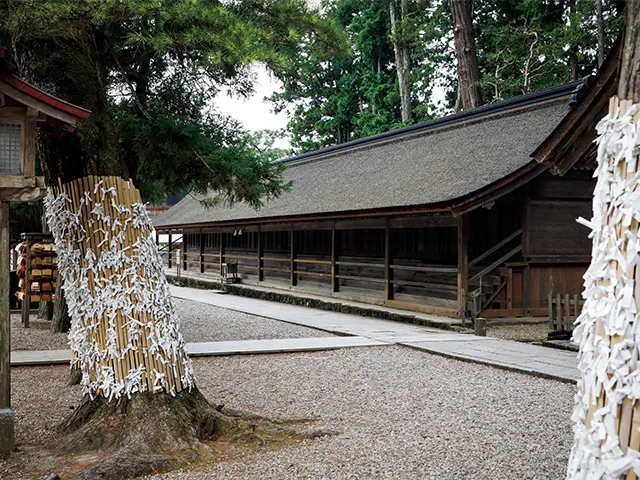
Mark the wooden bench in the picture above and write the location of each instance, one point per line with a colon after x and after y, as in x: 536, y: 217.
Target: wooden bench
x: 229, y: 273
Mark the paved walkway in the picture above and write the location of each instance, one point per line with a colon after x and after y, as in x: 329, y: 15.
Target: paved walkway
x: 522, y: 357
x: 23, y: 358
x: 336, y: 300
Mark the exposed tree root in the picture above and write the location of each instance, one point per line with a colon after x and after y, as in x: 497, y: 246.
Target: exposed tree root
x: 155, y: 432
x: 75, y: 377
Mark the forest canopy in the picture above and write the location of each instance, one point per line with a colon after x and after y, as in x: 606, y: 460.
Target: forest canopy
x: 522, y: 46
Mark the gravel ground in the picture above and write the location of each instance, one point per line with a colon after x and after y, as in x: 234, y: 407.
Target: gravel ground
x: 200, y: 323
x: 206, y: 323
x: 519, y: 333
x: 400, y: 414
x: 37, y: 337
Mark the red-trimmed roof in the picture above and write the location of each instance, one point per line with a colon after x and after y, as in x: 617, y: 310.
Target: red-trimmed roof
x: 7, y: 77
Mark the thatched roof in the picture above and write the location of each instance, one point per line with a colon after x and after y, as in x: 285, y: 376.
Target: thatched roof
x: 431, y: 163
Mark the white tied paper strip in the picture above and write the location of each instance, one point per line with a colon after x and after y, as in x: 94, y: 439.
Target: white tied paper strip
x: 128, y: 281
x: 609, y: 298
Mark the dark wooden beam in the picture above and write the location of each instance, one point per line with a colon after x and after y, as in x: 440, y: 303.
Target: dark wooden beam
x: 335, y: 281
x: 7, y: 426
x: 260, y: 255
x: 463, y: 265
x: 201, y: 251
x: 321, y: 225
x: 170, y: 247
x: 292, y: 257
x: 388, y: 272
x: 184, y: 252
x: 423, y: 221
x: 358, y: 223
x: 222, y: 247
x: 498, y: 189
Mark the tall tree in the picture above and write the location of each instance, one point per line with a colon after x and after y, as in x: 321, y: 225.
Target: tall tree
x: 399, y: 20
x: 607, y: 410
x: 469, y: 91
x: 573, y: 47
x: 335, y: 98
x: 600, y: 32
x: 148, y: 72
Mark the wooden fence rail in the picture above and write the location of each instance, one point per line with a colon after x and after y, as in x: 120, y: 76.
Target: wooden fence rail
x: 563, y: 311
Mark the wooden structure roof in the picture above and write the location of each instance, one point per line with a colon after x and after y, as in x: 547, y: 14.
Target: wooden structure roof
x: 571, y: 144
x: 56, y: 113
x: 451, y: 165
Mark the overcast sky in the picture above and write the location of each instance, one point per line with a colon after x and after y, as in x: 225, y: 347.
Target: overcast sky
x: 255, y: 112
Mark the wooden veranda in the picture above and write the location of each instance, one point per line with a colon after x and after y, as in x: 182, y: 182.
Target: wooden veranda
x: 444, y: 233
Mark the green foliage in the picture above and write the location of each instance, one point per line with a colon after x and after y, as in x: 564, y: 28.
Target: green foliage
x: 159, y: 65
x: 332, y: 99
x: 523, y: 46
x: 25, y: 217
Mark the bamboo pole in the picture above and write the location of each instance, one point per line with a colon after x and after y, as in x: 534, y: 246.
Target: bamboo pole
x: 106, y: 208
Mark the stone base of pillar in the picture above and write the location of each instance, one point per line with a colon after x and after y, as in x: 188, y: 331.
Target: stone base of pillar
x: 6, y: 432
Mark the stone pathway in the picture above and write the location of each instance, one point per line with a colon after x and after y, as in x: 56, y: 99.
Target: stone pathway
x: 526, y: 358
x: 334, y: 302
x: 22, y: 358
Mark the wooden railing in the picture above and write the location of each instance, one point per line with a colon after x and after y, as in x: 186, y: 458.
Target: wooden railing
x: 478, y: 304
x: 336, y: 271
x: 495, y: 248
x: 563, y: 312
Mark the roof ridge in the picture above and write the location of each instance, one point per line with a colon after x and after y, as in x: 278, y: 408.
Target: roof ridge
x: 534, y: 99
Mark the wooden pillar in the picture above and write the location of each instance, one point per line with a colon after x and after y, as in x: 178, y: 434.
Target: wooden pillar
x: 260, y: 255
x: 184, y: 251
x: 6, y: 414
x: 335, y: 281
x: 29, y: 169
x: 509, y: 288
x: 26, y: 300
x: 170, y: 246
x: 294, y: 277
x: 463, y: 265
x: 388, y: 271
x: 157, y: 238
x: 222, y: 247
x: 526, y: 289
x: 201, y: 251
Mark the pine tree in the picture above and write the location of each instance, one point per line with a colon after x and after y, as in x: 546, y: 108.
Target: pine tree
x: 148, y: 72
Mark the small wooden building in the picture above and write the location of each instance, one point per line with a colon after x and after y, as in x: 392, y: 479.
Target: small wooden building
x: 434, y: 217
x: 24, y: 109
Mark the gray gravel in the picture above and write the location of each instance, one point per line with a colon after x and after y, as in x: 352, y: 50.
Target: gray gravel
x: 206, y: 323
x: 520, y: 333
x: 200, y: 323
x: 402, y: 414
x: 37, y: 337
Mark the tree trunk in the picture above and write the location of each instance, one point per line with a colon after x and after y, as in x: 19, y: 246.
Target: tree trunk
x: 607, y: 409
x: 401, y: 52
x: 61, y: 321
x: 125, y: 333
x: 600, y: 32
x: 573, y: 50
x: 465, y: 47
x: 629, y: 83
